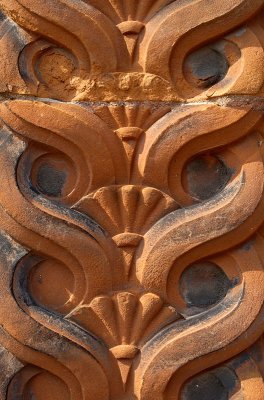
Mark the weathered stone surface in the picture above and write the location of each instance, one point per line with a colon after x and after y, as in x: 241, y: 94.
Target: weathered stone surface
x: 131, y: 201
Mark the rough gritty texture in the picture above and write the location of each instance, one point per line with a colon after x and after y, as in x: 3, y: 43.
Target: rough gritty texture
x: 131, y: 201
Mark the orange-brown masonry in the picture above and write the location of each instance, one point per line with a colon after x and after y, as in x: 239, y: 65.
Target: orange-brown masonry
x: 131, y: 200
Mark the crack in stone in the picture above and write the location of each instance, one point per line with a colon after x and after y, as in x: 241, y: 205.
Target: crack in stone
x: 254, y: 102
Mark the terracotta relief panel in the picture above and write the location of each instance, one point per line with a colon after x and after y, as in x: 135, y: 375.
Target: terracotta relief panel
x: 131, y: 201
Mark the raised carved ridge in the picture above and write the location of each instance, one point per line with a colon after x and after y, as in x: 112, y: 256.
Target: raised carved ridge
x: 131, y: 201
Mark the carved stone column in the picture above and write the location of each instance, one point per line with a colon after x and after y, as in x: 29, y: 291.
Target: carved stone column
x: 131, y: 200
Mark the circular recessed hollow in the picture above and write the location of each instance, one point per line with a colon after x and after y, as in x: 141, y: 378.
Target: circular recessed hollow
x: 51, y: 180
x: 54, y: 66
x: 53, y: 175
x: 50, y: 284
x: 203, y: 285
x: 205, y: 387
x: 205, y: 176
x: 205, y: 67
x: 45, y: 386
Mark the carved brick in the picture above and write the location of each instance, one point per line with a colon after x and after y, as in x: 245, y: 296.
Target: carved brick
x: 131, y: 201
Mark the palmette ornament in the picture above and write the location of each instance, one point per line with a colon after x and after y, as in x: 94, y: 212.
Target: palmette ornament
x: 131, y: 201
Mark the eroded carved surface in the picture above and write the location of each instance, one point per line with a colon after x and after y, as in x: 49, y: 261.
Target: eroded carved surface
x: 131, y: 201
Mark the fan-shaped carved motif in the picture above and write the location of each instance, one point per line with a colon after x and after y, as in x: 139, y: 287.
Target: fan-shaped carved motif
x: 131, y: 201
